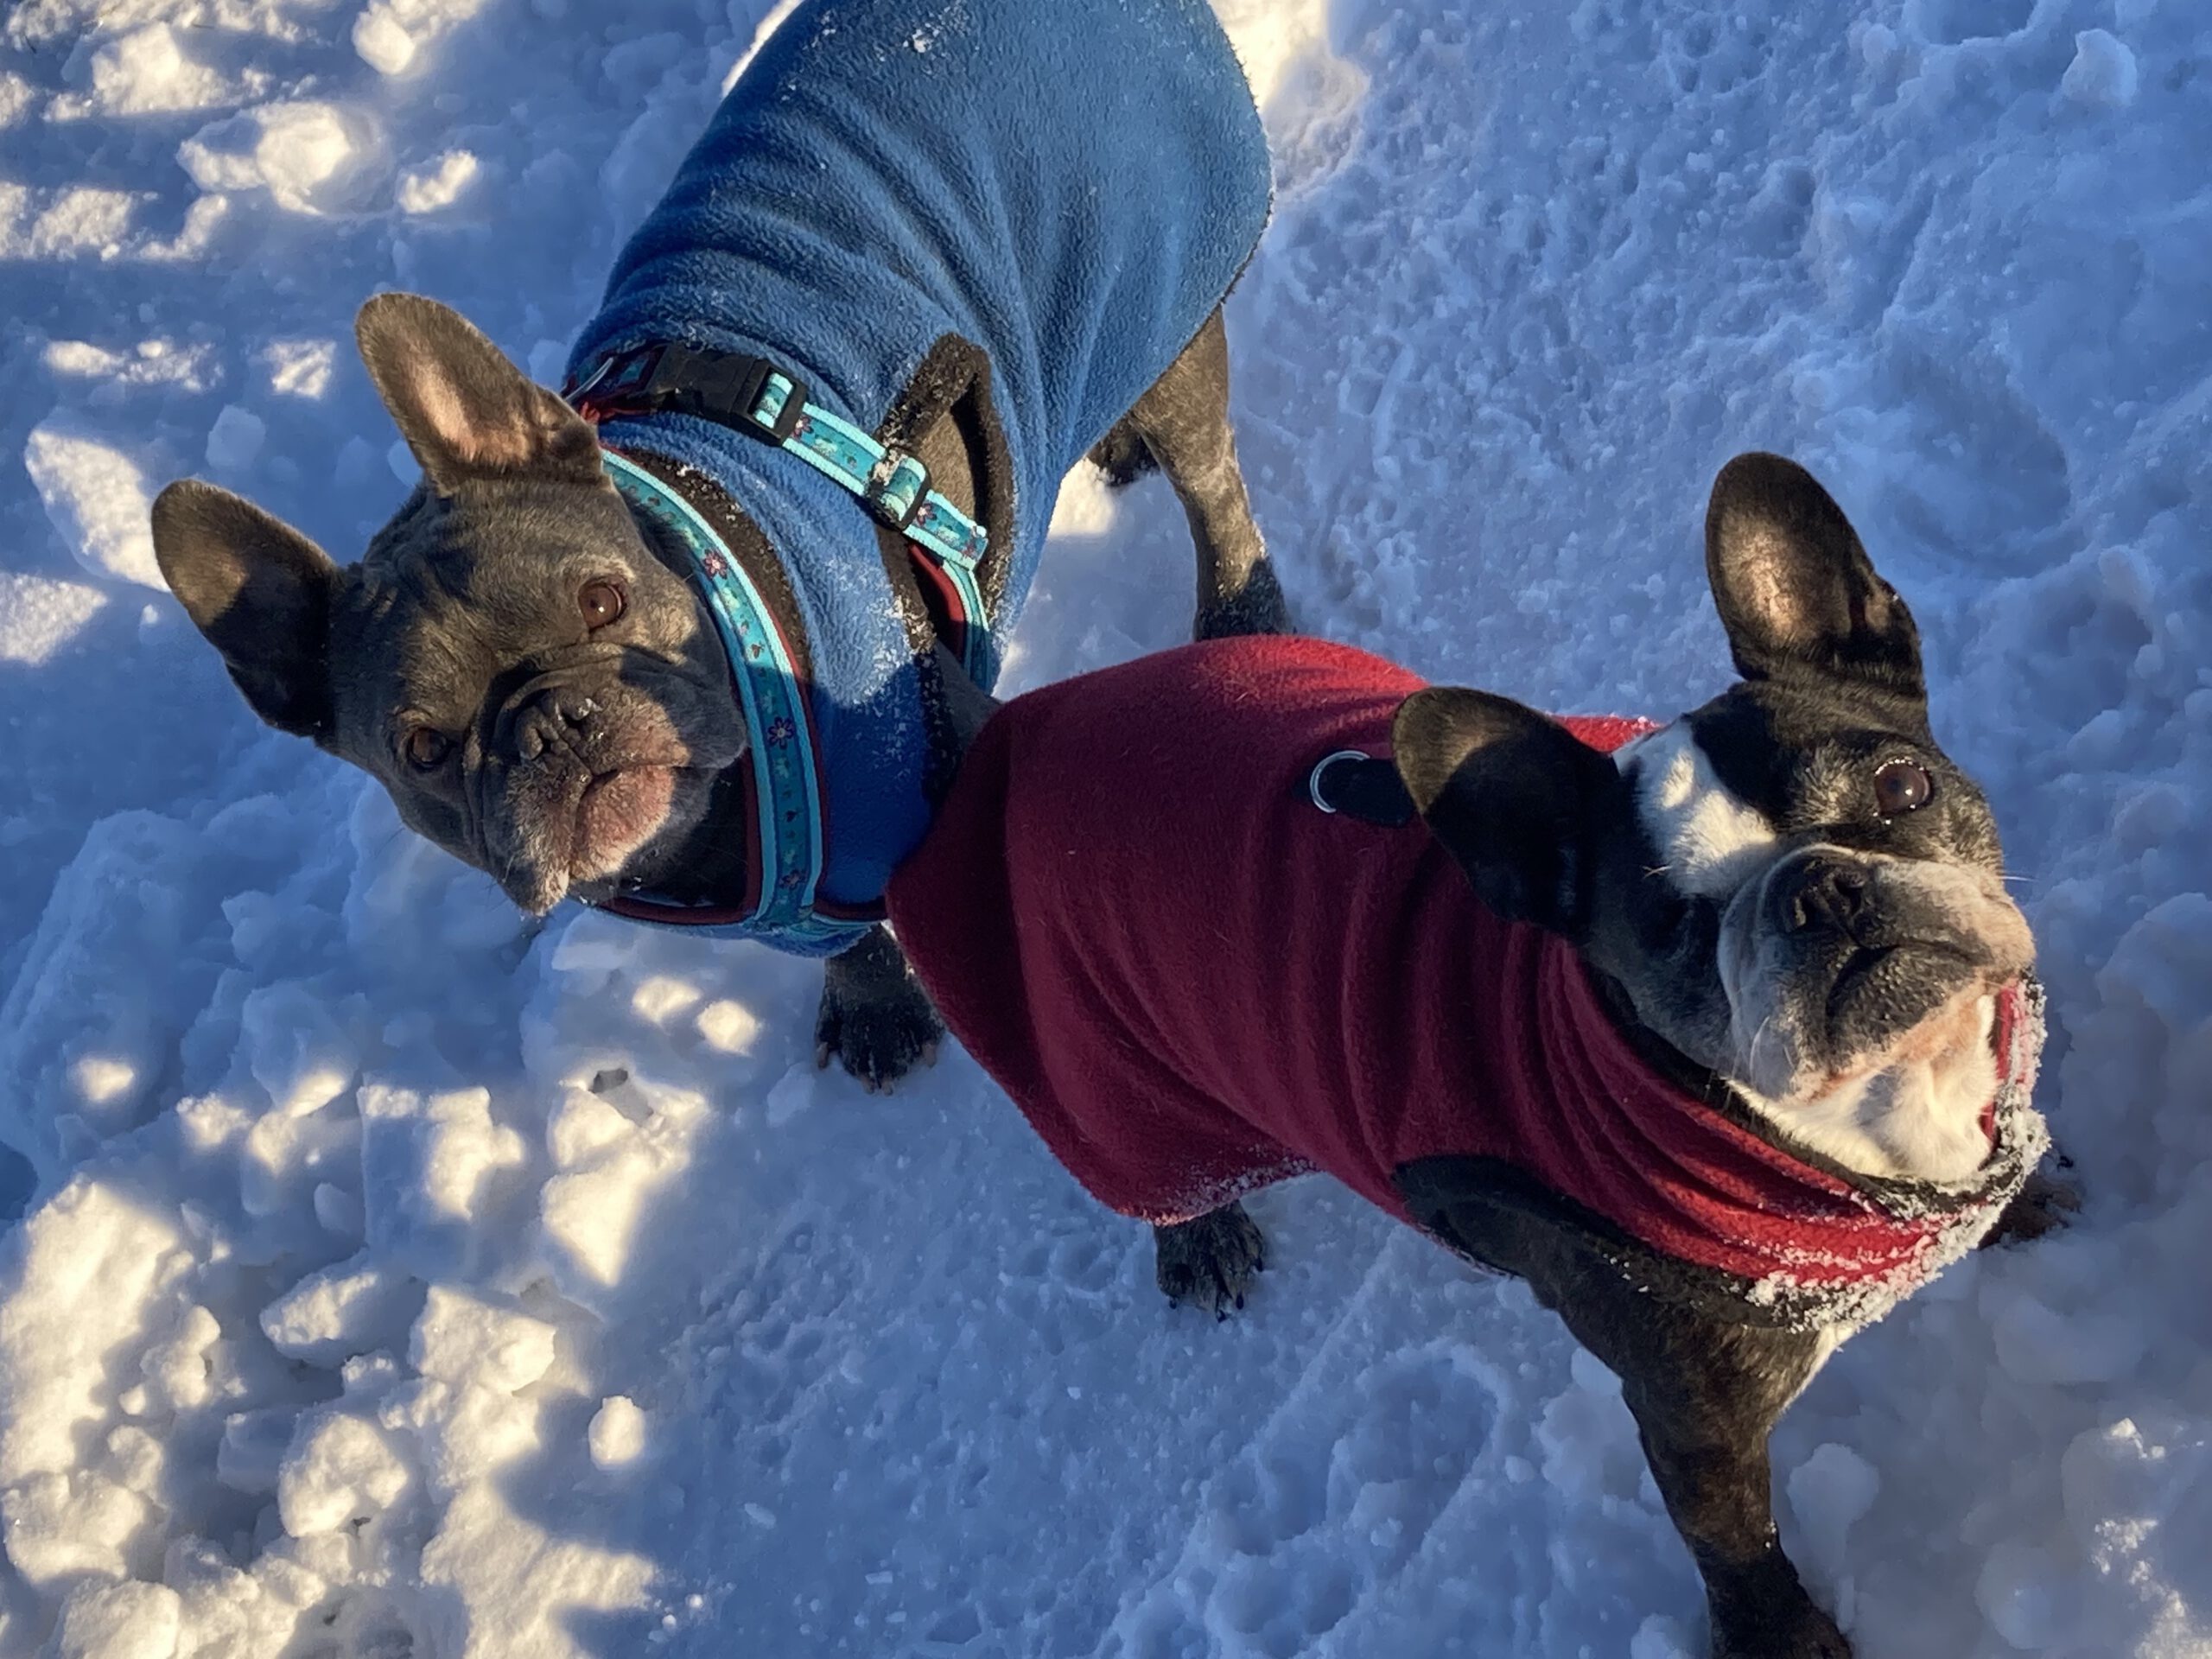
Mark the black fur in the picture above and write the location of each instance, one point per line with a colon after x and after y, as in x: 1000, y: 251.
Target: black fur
x: 874, y: 1015
x: 1512, y: 795
x: 1705, y: 1394
x: 1795, y: 587
x: 1183, y: 422
x: 261, y: 592
x: 1122, y: 456
x: 1549, y: 832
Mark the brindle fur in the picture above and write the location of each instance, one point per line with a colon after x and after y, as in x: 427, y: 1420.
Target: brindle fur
x: 472, y: 585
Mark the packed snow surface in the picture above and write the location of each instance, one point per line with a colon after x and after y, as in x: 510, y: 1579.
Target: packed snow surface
x: 389, y: 1276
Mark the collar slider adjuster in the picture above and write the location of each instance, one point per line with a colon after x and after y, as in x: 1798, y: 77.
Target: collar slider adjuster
x: 896, y: 485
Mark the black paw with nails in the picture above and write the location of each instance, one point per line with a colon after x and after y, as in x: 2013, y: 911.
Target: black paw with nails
x: 878, y: 1024
x: 1210, y: 1261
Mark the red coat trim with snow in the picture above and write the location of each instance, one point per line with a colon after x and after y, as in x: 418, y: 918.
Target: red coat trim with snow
x: 1194, y: 984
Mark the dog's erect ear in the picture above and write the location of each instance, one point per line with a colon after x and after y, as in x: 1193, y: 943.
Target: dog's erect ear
x: 464, y: 409
x: 1515, y: 796
x: 260, y: 591
x: 1795, y: 590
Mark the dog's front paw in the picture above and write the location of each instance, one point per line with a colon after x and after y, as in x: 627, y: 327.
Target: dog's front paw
x: 1258, y: 608
x: 1813, y: 1635
x: 2043, y: 1205
x: 1782, y: 1624
x: 878, y: 1030
x: 1210, y: 1261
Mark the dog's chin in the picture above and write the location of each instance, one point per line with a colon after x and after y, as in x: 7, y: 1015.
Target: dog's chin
x: 1815, y: 1019
x: 586, y: 846
x: 619, y: 813
x: 1951, y: 1027
x: 1915, y: 1106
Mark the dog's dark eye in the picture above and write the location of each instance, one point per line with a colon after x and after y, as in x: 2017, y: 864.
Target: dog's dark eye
x: 1900, y: 787
x: 427, y: 748
x: 601, y: 601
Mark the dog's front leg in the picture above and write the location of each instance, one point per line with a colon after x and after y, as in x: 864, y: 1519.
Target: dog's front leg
x: 2044, y: 1204
x: 1705, y: 1394
x: 875, y: 1016
x: 1707, y: 1446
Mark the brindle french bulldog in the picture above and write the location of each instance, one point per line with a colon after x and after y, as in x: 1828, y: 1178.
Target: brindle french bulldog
x: 905, y: 216
x: 1721, y: 1034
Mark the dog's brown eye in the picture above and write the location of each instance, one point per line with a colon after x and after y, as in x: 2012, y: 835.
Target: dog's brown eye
x: 427, y: 748
x: 601, y: 602
x: 1901, y: 787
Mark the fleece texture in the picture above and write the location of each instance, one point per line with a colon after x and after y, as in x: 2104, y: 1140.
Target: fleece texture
x: 1069, y: 188
x: 1194, y: 982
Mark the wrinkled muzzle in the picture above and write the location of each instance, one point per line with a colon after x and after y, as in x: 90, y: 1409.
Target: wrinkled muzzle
x: 574, y: 773
x: 1834, y: 960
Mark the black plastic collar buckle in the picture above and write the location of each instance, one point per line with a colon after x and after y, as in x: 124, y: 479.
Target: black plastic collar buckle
x: 723, y: 387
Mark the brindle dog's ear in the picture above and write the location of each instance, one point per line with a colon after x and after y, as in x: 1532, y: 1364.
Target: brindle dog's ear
x: 1515, y: 796
x: 260, y: 591
x: 465, y: 410
x: 1795, y: 590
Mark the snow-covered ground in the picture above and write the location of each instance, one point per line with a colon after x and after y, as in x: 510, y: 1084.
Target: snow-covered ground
x: 388, y: 1277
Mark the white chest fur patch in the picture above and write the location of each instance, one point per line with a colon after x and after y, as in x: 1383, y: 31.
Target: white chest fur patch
x: 1710, y: 841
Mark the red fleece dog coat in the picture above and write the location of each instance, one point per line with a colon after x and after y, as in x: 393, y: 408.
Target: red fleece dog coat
x: 1194, y: 983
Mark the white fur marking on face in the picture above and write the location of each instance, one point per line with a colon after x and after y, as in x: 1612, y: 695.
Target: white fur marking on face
x: 1914, y: 1110
x: 1710, y: 841
x: 1918, y: 1116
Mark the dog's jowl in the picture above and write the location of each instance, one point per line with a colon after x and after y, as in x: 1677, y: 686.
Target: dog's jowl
x: 699, y: 643
x: 1720, y: 1033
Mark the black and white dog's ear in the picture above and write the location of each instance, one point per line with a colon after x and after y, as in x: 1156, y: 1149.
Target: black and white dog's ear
x: 261, y: 592
x: 1515, y: 796
x: 1795, y: 588
x: 464, y: 409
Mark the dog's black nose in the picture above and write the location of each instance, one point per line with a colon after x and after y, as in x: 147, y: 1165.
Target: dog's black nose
x: 542, y: 714
x: 1820, y: 891
x: 558, y: 717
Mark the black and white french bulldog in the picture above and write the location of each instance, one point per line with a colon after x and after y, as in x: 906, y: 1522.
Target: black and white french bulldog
x: 1790, y: 892
x: 1721, y: 1037
x: 902, y: 213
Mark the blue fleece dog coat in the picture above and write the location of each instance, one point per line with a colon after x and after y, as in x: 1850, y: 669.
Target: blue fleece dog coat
x: 1069, y: 185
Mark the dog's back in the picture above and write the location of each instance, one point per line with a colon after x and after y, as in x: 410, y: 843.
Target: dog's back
x: 887, y: 173
x: 926, y: 211
x: 1193, y: 980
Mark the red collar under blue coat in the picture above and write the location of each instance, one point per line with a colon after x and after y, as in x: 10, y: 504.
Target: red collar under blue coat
x: 1195, y: 984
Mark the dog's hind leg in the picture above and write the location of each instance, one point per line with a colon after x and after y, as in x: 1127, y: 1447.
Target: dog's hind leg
x: 1211, y: 1258
x: 1121, y: 455
x: 1182, y: 423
